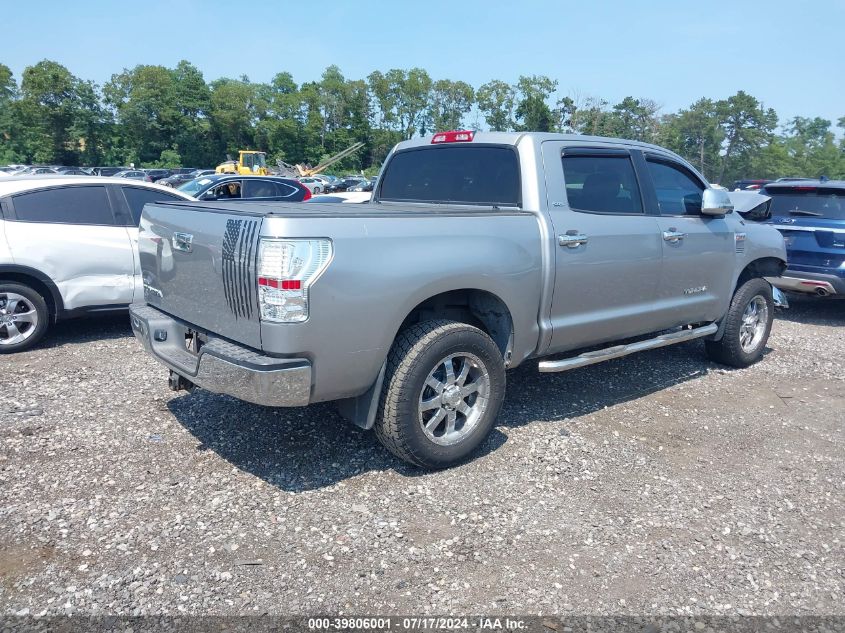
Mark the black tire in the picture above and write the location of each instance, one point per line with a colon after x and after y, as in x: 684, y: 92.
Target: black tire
x: 416, y: 353
x: 316, y: 190
x: 729, y: 349
x: 37, y: 302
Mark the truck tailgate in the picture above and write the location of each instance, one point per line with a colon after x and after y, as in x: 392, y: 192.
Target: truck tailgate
x: 199, y: 265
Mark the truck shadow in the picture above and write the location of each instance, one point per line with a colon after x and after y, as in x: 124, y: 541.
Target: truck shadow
x: 94, y: 328
x: 314, y: 447
x: 810, y: 310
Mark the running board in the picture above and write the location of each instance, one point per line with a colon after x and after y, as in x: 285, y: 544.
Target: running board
x: 589, y: 358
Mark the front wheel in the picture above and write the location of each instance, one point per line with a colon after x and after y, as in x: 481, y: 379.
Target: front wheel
x: 748, y: 323
x: 443, y: 388
x: 316, y: 190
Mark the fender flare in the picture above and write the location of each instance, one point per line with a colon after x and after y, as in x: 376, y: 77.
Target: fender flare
x: 55, y: 295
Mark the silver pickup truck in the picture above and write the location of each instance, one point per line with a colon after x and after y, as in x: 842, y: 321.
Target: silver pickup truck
x: 478, y: 252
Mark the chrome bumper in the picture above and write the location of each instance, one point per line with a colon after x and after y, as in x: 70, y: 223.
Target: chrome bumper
x: 799, y: 284
x: 220, y: 366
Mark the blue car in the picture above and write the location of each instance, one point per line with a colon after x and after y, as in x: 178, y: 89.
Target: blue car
x: 811, y: 216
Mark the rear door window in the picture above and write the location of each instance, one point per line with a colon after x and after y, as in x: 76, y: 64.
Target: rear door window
x: 265, y: 189
x: 601, y: 184
x: 65, y: 205
x: 137, y: 197
x: 461, y: 174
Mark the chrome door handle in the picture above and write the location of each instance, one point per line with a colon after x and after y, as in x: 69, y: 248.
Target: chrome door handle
x: 673, y: 235
x: 572, y: 239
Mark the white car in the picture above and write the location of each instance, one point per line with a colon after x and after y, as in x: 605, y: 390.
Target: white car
x: 344, y: 197
x: 68, y: 246
x: 314, y: 185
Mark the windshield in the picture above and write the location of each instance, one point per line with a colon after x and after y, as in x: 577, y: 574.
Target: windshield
x: 817, y: 203
x: 192, y: 187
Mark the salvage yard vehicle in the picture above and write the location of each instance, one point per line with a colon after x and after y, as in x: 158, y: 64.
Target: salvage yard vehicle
x: 479, y: 252
x: 246, y: 188
x: 68, y: 247
x: 811, y: 216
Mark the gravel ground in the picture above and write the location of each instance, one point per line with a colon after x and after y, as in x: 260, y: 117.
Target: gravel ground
x: 657, y: 483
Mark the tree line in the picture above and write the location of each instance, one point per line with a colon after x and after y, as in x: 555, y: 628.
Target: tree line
x: 167, y: 117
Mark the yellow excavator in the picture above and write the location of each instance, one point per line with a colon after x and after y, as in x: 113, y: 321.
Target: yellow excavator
x: 250, y: 162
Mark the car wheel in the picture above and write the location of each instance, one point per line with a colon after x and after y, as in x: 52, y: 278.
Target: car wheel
x: 24, y: 317
x: 748, y: 323
x: 316, y: 190
x: 442, y: 391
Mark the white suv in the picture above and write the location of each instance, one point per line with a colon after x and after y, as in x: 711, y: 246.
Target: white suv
x: 68, y: 246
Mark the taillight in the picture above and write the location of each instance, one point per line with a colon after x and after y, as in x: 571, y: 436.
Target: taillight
x: 454, y: 136
x: 307, y: 194
x: 286, y: 271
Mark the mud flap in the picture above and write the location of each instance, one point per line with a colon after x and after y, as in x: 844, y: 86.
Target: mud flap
x: 361, y: 410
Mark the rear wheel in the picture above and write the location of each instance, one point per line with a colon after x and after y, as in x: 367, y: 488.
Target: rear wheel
x: 442, y: 392
x: 748, y: 323
x: 316, y: 190
x: 24, y: 317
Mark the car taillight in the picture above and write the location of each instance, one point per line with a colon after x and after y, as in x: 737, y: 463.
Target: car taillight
x: 453, y: 136
x: 307, y: 194
x: 286, y: 271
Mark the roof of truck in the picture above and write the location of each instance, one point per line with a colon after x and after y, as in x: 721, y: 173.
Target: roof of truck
x: 512, y: 138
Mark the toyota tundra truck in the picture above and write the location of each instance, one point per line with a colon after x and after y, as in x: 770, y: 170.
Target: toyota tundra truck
x: 479, y: 251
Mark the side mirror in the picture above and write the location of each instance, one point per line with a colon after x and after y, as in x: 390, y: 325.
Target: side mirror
x: 716, y: 202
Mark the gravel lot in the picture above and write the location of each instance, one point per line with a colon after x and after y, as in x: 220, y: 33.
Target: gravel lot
x: 657, y: 483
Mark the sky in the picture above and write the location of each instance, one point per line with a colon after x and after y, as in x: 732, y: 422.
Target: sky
x: 787, y: 54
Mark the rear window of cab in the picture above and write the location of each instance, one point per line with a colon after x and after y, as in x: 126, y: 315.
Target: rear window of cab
x: 484, y: 175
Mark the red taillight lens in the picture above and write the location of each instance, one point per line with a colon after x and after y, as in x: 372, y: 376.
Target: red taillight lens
x: 453, y: 136
x: 307, y: 194
x: 281, y: 284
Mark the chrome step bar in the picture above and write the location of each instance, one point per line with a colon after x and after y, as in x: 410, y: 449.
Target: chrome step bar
x: 589, y: 358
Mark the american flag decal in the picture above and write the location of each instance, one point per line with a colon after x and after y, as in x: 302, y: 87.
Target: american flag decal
x: 239, y: 255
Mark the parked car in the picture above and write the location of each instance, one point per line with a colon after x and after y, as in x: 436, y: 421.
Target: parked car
x: 134, y: 174
x: 342, y: 196
x: 254, y: 188
x: 35, y: 170
x: 364, y: 185
x: 107, y: 171
x: 314, y: 185
x: 157, y: 174
x: 346, y: 184
x: 176, y: 180
x: 72, y: 171
x: 480, y: 251
x: 749, y: 184
x: 68, y: 247
x: 811, y: 216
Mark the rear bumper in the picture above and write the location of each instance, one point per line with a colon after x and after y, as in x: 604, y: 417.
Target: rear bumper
x: 221, y: 366
x: 813, y: 283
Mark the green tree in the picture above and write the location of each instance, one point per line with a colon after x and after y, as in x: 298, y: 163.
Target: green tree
x: 533, y: 111
x: 58, y: 115
x: 695, y: 134
x: 8, y: 118
x: 747, y: 127
x: 497, y: 101
x: 450, y: 102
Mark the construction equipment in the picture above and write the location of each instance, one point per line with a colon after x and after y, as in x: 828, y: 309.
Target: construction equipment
x: 250, y: 162
x: 299, y: 171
